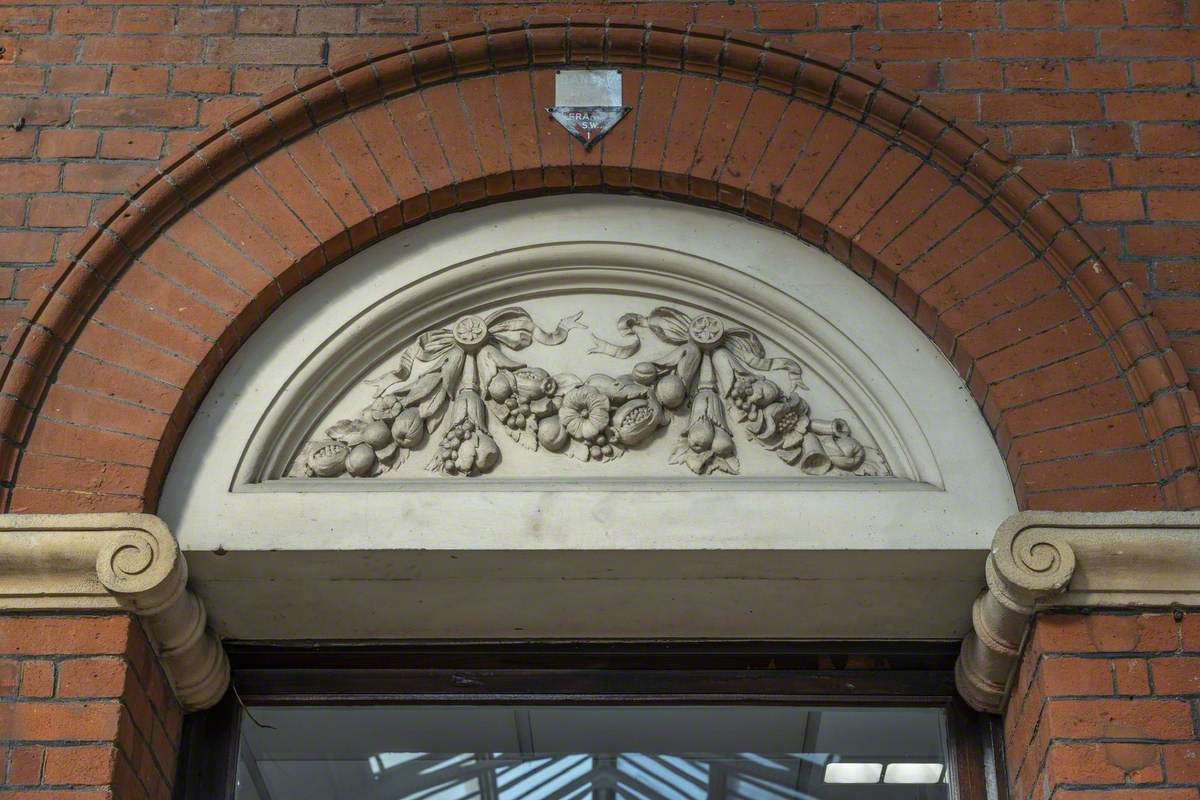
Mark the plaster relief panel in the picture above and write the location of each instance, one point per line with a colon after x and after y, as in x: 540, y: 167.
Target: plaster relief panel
x: 583, y: 375
x: 592, y: 384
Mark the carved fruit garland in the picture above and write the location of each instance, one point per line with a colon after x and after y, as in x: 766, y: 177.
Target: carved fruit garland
x: 713, y: 371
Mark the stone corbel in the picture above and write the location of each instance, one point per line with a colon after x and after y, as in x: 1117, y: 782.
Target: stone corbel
x: 130, y: 562
x: 1043, y: 560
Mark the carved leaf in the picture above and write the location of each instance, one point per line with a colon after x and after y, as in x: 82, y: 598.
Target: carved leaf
x: 523, y: 436
x: 435, y: 419
x: 434, y: 404
x: 728, y: 465
x: 874, y: 465
x: 566, y: 382
x: 618, y: 390
x: 399, y: 457
x: 698, y: 462
x: 385, y: 382
x: 689, y: 363
x: 578, y: 450
x: 424, y: 387
x: 347, y: 431
x: 452, y: 370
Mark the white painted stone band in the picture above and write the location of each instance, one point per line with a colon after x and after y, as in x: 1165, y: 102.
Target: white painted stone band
x: 129, y: 562
x: 1043, y: 560
x: 1038, y: 561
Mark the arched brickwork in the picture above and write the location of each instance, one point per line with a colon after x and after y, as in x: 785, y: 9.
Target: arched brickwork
x: 1087, y: 400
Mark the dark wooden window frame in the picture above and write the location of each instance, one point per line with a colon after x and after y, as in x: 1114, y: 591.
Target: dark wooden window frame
x: 641, y: 673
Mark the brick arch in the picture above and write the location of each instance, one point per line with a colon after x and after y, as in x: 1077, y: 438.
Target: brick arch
x: 1087, y: 401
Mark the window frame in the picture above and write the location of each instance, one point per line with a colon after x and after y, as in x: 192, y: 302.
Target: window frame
x: 860, y: 674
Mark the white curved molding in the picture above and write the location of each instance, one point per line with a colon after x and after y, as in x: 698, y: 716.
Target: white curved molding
x: 232, y: 488
x: 129, y: 562
x: 600, y: 282
x: 1041, y: 560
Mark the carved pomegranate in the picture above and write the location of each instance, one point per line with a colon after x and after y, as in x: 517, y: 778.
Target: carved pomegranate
x: 329, y: 461
x: 534, y: 383
x: 635, y: 421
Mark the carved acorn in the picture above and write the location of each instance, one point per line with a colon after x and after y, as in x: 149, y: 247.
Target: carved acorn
x: 361, y: 461
x: 409, y: 429
x: 635, y: 421
x: 670, y: 391
x: 551, y: 434
x: 328, y: 460
x: 378, y: 435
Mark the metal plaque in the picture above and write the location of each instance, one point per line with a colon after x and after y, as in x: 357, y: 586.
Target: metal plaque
x: 587, y: 102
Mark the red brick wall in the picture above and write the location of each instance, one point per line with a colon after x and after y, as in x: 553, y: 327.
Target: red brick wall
x: 1087, y: 400
x: 1096, y: 97
x: 1107, y: 707
x: 85, y: 711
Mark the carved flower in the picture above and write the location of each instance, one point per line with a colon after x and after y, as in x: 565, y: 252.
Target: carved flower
x: 584, y: 412
x: 635, y: 421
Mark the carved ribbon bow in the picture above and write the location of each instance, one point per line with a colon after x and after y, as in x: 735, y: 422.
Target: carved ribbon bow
x: 693, y: 334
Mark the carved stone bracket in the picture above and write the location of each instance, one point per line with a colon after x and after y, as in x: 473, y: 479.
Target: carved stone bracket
x: 127, y: 562
x: 1042, y: 560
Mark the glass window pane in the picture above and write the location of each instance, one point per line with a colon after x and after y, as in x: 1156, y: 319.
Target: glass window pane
x: 592, y: 753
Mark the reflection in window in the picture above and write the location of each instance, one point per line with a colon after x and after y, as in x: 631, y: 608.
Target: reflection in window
x: 600, y: 753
